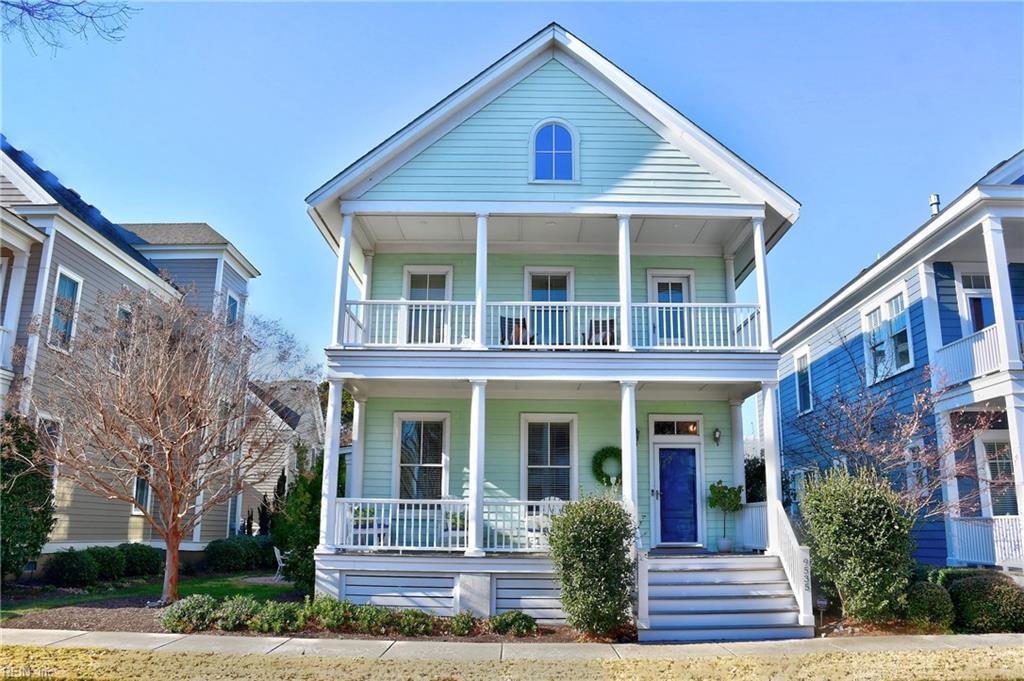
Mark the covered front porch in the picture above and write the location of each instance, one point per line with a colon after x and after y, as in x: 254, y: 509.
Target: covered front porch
x: 17, y: 240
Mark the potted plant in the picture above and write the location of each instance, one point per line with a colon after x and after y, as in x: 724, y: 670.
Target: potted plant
x: 728, y: 500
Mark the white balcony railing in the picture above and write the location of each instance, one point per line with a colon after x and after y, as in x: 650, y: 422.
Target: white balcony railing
x: 518, y: 526
x: 404, y: 323
x: 6, y: 344
x: 402, y: 524
x: 752, y: 526
x: 545, y: 326
x: 969, y: 357
x: 696, y: 326
x: 988, y: 541
x: 796, y: 559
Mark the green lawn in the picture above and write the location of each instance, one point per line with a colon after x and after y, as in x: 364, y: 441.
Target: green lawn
x: 218, y: 586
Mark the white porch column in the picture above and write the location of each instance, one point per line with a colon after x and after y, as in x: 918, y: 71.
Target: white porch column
x: 477, y: 439
x: 625, y: 288
x: 950, y: 489
x: 761, y: 274
x: 341, y: 279
x: 730, y: 279
x: 1002, y: 296
x: 630, y: 493
x: 480, y: 311
x: 329, y: 489
x: 354, y: 473
x: 772, y: 460
x: 1015, y: 423
x: 12, y: 306
x: 930, y: 307
x: 739, y: 471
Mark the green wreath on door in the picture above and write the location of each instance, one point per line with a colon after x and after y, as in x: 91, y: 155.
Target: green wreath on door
x: 602, y: 456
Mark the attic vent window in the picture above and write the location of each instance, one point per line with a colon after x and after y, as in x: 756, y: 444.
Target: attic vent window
x: 554, y: 153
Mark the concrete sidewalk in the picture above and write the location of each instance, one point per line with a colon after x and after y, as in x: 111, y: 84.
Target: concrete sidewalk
x: 465, y: 651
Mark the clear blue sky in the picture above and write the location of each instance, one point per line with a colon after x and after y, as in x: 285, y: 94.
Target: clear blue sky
x: 232, y: 113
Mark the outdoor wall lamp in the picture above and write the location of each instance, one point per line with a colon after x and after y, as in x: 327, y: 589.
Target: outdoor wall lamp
x: 717, y: 435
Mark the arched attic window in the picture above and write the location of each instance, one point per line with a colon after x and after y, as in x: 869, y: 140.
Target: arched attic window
x: 555, y: 152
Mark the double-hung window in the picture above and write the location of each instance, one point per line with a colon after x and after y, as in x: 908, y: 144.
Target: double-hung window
x: 803, y: 383
x: 887, y: 338
x: 978, y: 298
x: 1000, y: 472
x: 119, y: 353
x: 142, y: 490
x: 422, y: 455
x: 549, y: 444
x: 231, y: 309
x: 64, y: 310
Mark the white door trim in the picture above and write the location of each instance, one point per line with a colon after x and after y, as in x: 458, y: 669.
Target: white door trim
x: 680, y: 441
x: 656, y: 275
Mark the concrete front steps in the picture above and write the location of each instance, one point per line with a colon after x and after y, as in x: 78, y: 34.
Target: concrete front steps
x: 720, y: 598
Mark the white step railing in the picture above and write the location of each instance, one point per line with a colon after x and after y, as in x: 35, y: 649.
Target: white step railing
x: 696, y: 326
x: 402, y: 524
x: 796, y: 559
x: 988, y: 541
x: 408, y: 323
x: 515, y: 526
x: 752, y: 526
x: 541, y: 326
x: 969, y: 357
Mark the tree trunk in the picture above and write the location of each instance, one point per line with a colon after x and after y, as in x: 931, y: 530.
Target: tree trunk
x: 171, y: 565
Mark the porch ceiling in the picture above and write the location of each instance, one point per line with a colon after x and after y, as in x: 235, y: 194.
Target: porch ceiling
x: 553, y: 390
x: 711, y: 233
x: 971, y: 247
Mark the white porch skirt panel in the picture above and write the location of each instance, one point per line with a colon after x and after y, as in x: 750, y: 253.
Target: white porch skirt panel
x: 433, y: 593
x: 537, y: 595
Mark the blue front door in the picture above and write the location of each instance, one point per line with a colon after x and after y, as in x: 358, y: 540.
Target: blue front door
x: 677, y: 468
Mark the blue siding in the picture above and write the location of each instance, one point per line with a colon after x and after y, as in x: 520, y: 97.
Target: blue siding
x: 949, y: 310
x: 1017, y: 288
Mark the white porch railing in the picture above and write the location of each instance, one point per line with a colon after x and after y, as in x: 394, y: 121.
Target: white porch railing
x: 406, y: 323
x: 988, y: 541
x: 516, y: 526
x: 696, y: 326
x: 969, y: 357
x: 796, y: 559
x: 752, y: 525
x: 6, y: 343
x: 402, y: 524
x: 567, y: 325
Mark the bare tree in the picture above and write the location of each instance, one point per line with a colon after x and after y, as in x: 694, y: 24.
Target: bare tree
x: 157, y: 409
x: 890, y: 427
x: 49, y: 20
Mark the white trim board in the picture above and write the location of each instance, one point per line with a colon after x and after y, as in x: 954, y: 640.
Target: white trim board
x: 525, y: 419
x: 396, y: 444
x: 655, y: 442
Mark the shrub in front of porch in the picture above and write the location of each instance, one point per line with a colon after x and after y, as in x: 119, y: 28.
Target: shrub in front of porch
x: 859, y: 535
x: 591, y: 546
x: 988, y: 604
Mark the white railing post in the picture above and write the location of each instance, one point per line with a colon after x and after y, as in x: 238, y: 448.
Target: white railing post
x: 1015, y: 424
x: 643, y: 608
x: 480, y: 313
x: 761, y: 275
x: 1002, y: 296
x: 477, y: 435
x: 772, y: 463
x: 628, y: 443
x: 329, y: 488
x: 341, y: 280
x: 625, y: 332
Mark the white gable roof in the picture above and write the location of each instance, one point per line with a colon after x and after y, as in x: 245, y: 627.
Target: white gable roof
x: 553, y: 40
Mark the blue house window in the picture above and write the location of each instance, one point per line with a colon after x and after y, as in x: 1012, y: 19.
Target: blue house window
x: 553, y: 151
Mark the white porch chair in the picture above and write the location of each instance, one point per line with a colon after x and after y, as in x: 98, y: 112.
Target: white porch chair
x: 279, y: 575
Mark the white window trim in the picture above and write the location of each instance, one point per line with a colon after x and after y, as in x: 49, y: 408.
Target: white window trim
x: 3, y: 280
x: 909, y: 470
x: 801, y: 353
x: 231, y: 294
x: 657, y: 441
x: 959, y: 270
x: 396, y: 447
x: 525, y: 419
x: 984, y: 477
x: 149, y: 499
x: 45, y: 416
x: 409, y: 270
x: 117, y: 318
x: 653, y: 275
x: 532, y: 162
x: 531, y: 270
x: 880, y: 301
x: 61, y: 270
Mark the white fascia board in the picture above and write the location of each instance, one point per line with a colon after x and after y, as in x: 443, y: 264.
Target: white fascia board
x: 456, y: 562
x: 18, y: 232
x: 959, y: 217
x: 1006, y: 172
x: 25, y: 184
x: 602, y: 208
x: 97, y: 245
x: 533, y: 247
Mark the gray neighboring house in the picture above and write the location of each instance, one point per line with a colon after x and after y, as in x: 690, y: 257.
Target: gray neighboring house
x: 54, y: 244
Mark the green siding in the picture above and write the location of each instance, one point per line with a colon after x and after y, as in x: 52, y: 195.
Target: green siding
x: 597, y: 427
x: 595, y: 276
x: 487, y: 155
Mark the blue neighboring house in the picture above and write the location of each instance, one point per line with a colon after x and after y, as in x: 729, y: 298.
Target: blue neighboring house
x: 944, y: 307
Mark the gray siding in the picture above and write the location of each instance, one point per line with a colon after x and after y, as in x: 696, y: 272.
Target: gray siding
x: 197, y: 274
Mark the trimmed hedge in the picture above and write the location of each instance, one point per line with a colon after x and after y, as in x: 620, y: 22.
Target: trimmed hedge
x: 141, y: 560
x: 72, y: 568
x: 239, y: 554
x: 946, y: 576
x: 988, y: 604
x: 513, y: 622
x: 110, y: 561
x: 929, y: 606
x: 193, y: 613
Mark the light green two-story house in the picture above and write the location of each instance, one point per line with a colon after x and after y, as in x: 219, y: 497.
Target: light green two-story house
x: 540, y: 267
